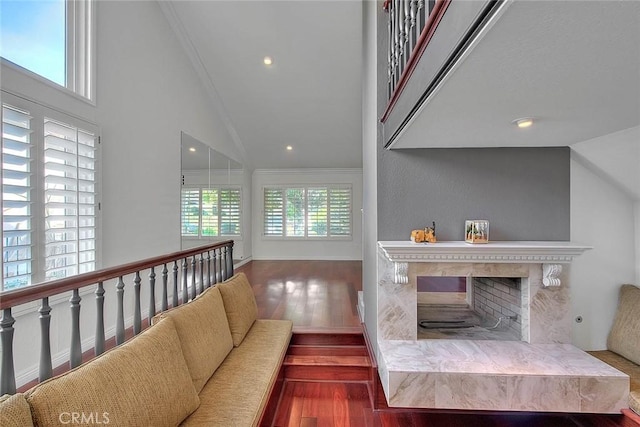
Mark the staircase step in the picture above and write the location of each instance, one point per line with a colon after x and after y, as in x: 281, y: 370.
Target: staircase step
x: 315, y: 360
x: 334, y: 368
x: 327, y: 338
x: 327, y: 350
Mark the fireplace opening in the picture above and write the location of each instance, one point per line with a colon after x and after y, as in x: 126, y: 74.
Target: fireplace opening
x: 474, y: 308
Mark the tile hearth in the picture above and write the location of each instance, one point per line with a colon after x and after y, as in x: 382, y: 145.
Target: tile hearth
x: 543, y: 372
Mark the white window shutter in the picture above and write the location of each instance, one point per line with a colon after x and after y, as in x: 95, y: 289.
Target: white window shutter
x: 17, y: 239
x: 230, y: 212
x: 340, y: 211
x: 273, y: 212
x: 69, y: 200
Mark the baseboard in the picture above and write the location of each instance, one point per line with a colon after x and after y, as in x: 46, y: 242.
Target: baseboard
x: 242, y: 262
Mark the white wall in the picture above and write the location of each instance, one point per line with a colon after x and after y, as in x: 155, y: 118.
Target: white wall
x: 274, y: 249
x: 147, y: 93
x: 602, y: 216
x: 637, y: 215
x: 370, y: 125
x: 605, y: 194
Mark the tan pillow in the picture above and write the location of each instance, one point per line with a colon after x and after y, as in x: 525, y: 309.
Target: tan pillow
x: 144, y: 382
x: 240, y: 305
x: 204, y: 334
x: 15, y: 411
x: 624, y: 337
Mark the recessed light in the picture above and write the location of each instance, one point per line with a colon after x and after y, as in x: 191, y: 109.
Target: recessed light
x: 192, y: 149
x: 289, y: 148
x: 524, y: 122
x: 267, y: 60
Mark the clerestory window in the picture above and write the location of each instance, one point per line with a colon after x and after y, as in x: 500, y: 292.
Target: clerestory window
x: 51, y: 38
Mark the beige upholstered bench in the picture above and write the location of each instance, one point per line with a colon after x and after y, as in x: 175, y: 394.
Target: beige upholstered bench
x: 623, y: 342
x: 208, y: 362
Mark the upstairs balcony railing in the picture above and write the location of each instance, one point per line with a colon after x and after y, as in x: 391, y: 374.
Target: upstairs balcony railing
x: 191, y: 272
x: 410, y: 25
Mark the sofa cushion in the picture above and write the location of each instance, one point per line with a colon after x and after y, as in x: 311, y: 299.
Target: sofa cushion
x: 247, y: 375
x: 634, y: 401
x: 624, y: 337
x: 204, y: 334
x: 144, y: 382
x: 240, y: 305
x: 15, y: 411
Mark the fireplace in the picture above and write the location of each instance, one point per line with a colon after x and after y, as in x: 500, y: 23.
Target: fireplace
x: 539, y: 370
x: 469, y: 308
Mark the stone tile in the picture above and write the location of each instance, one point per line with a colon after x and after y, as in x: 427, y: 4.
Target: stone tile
x: 544, y: 393
x: 604, y: 395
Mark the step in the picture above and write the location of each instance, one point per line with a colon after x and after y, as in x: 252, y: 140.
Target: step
x: 327, y: 368
x: 327, y: 338
x: 327, y: 350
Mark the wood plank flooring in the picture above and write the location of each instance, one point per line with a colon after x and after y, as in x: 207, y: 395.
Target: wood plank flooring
x: 313, y: 294
x: 321, y: 297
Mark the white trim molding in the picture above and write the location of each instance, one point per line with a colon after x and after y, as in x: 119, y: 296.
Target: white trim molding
x: 521, y: 252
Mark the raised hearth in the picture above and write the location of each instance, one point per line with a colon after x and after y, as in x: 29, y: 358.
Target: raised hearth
x: 543, y: 372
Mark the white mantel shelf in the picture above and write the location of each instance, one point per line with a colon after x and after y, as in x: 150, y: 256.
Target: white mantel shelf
x: 536, y: 252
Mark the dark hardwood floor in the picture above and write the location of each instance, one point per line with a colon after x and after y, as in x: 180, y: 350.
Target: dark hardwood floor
x: 313, y: 294
x: 320, y: 298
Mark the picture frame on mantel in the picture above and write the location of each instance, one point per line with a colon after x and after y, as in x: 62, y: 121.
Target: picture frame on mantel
x: 476, y: 231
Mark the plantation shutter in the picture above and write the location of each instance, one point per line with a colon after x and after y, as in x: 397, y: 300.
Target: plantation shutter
x: 317, y: 212
x: 69, y: 200
x: 295, y: 212
x: 273, y: 212
x: 210, y: 212
x: 340, y: 211
x: 230, y: 212
x: 16, y: 198
x: 190, y: 211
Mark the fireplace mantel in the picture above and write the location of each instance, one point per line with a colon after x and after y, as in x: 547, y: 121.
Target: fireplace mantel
x: 520, y: 252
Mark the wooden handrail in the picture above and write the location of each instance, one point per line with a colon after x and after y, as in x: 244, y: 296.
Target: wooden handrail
x: 430, y: 26
x: 36, y: 292
x: 219, y: 267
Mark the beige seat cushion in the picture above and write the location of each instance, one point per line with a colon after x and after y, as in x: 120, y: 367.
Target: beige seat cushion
x: 15, y: 411
x: 624, y: 337
x: 204, y: 334
x: 144, y: 382
x: 240, y: 305
x: 634, y: 401
x: 247, y: 375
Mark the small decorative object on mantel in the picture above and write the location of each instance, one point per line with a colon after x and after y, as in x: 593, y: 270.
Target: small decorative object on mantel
x: 476, y: 231
x: 428, y: 235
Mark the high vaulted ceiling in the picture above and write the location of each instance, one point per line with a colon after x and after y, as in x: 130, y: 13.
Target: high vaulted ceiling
x: 309, y: 98
x: 573, y: 65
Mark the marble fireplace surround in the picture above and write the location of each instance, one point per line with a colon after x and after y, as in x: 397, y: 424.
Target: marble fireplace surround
x: 543, y: 372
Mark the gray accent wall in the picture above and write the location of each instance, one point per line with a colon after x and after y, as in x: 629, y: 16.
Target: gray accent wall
x: 523, y: 192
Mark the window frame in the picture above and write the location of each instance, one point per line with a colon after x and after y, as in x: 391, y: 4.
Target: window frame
x: 80, y: 53
x: 306, y: 236
x: 39, y: 113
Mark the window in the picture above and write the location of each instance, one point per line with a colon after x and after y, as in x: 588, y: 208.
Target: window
x: 210, y: 212
x: 312, y: 212
x: 51, y: 38
x: 49, y: 195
